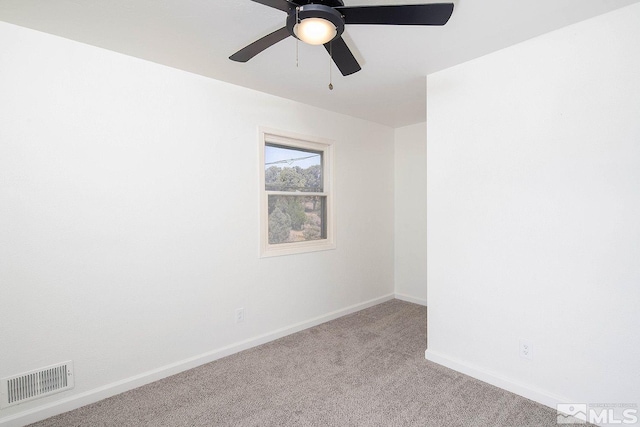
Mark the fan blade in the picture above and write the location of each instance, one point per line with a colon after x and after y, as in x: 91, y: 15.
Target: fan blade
x: 411, y: 14
x: 245, y: 54
x: 283, y: 5
x: 342, y: 56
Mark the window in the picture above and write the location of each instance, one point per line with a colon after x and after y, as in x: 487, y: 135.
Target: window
x: 296, y: 203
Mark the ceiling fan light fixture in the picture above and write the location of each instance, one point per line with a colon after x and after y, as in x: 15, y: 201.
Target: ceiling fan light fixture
x: 322, y: 22
x: 315, y: 24
x: 315, y: 31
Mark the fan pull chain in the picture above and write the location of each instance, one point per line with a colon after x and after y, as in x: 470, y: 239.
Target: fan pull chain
x: 330, y: 67
x: 297, y: 40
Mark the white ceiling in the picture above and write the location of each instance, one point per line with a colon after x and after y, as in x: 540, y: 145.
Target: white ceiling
x: 199, y: 35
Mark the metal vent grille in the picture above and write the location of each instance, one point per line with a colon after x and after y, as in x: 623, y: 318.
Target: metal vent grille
x: 35, y: 384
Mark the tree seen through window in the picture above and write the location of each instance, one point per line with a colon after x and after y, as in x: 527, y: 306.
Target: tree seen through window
x: 292, y: 216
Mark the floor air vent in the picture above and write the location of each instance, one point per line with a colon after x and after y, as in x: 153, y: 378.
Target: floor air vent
x: 35, y: 384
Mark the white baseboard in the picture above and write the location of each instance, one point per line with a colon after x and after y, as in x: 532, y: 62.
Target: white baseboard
x: 95, y: 395
x: 414, y: 300
x: 524, y: 390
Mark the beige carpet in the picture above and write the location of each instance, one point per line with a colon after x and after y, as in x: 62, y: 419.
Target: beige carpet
x: 365, y: 369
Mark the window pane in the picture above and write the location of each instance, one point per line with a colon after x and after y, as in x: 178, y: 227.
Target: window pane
x: 297, y: 218
x: 292, y: 169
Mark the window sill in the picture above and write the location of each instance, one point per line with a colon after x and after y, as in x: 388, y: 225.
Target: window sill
x: 296, y: 248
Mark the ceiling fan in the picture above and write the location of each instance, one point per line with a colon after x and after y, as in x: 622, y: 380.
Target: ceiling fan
x: 322, y: 22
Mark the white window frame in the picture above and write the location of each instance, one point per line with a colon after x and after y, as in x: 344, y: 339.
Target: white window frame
x: 306, y: 143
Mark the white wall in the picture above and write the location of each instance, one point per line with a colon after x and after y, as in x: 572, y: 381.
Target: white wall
x: 410, y: 156
x: 533, y: 189
x: 129, y: 216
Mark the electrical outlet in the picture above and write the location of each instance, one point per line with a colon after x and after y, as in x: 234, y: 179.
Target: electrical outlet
x: 526, y: 349
x: 239, y: 315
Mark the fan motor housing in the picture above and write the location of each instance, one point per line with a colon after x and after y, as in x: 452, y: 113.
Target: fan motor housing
x: 332, y: 3
x: 315, y: 11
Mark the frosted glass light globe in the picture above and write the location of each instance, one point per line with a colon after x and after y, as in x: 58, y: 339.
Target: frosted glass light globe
x: 315, y: 31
